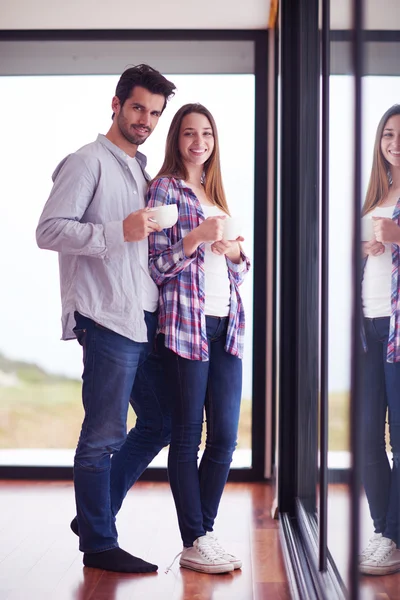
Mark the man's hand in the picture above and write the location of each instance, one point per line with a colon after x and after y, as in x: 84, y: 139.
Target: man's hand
x: 386, y: 231
x: 138, y: 225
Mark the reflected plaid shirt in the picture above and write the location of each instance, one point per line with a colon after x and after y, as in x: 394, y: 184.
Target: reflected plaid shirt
x: 181, y: 279
x: 393, y: 349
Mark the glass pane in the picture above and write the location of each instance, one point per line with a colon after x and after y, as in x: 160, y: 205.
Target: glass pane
x: 53, y: 116
x: 341, y: 193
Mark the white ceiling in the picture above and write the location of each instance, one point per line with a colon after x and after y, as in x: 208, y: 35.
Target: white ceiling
x: 174, y: 14
x: 133, y: 14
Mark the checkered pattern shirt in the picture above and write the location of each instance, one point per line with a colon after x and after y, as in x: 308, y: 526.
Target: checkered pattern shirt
x: 181, y: 278
x: 393, y: 349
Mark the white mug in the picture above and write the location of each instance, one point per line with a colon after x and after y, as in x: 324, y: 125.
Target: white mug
x: 367, y: 229
x: 166, y: 216
x: 232, y: 228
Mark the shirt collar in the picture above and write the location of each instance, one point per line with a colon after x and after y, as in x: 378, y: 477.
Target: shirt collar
x: 120, y: 154
x: 182, y: 184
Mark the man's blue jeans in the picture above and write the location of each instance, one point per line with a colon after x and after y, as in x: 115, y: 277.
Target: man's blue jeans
x: 381, y: 391
x: 117, y: 371
x: 216, y: 386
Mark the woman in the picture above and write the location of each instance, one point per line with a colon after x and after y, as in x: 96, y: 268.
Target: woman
x: 381, y: 370
x: 201, y: 325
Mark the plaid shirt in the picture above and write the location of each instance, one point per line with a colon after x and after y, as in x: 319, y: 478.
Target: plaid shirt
x: 393, y: 347
x: 181, y: 279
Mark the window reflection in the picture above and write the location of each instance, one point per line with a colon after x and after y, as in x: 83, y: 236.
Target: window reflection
x: 380, y: 94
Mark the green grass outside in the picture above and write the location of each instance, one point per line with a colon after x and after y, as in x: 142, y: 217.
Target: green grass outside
x: 339, y: 422
x: 45, y: 411
x: 48, y: 414
x: 338, y: 419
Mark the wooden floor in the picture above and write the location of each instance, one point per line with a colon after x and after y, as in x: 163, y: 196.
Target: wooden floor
x: 39, y: 557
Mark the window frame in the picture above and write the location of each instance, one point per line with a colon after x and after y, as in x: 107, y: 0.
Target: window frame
x: 256, y: 471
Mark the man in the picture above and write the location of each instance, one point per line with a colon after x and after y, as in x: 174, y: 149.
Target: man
x: 96, y: 219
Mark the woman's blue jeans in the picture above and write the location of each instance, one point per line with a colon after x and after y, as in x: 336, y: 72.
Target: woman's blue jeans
x: 213, y: 386
x: 117, y: 371
x: 381, y: 392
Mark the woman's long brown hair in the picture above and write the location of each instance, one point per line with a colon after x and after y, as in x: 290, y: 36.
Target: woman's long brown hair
x: 378, y: 186
x: 173, y: 165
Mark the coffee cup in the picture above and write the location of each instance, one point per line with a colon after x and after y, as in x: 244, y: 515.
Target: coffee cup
x: 232, y: 228
x: 367, y: 229
x: 166, y: 215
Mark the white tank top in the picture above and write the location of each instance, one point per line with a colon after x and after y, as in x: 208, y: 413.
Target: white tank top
x: 376, y: 285
x: 217, y: 284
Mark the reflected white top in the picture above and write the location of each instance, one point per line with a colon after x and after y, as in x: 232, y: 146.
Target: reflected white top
x: 376, y: 286
x: 217, y: 285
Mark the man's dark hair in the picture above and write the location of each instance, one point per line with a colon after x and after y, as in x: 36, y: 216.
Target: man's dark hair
x: 146, y: 77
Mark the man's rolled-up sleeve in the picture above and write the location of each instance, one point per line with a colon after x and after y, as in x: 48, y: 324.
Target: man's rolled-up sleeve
x: 60, y: 227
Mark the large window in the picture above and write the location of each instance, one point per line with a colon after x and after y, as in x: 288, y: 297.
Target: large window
x: 43, y: 118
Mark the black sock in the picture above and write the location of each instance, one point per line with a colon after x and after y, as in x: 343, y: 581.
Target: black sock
x: 118, y: 560
x: 115, y: 559
x: 74, y: 526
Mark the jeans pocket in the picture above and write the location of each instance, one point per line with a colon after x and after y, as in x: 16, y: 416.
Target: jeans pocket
x: 80, y: 335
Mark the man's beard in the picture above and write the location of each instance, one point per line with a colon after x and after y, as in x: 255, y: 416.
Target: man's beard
x: 129, y: 133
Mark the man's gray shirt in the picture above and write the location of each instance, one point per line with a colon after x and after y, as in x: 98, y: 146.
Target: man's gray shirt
x: 93, y: 192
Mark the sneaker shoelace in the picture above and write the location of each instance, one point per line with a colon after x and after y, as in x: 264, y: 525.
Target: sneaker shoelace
x: 214, y: 543
x: 207, y: 550
x: 382, y: 553
x: 167, y: 570
x: 371, y: 548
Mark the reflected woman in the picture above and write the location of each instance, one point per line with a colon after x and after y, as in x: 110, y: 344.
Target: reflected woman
x: 201, y: 325
x: 381, y: 368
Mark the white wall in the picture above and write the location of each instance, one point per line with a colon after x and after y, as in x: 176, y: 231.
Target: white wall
x: 130, y: 14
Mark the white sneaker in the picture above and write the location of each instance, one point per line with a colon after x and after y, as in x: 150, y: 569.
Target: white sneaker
x: 384, y: 561
x: 236, y: 562
x: 373, y: 545
x: 202, y: 557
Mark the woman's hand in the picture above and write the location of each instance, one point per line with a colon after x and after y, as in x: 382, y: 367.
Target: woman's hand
x: 386, y: 231
x: 210, y: 230
x: 372, y: 248
x: 229, y: 247
x: 226, y: 246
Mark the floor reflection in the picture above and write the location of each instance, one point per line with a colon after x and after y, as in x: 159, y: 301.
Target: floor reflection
x: 179, y: 584
x: 372, y: 587
x: 113, y: 585
x: 210, y: 586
